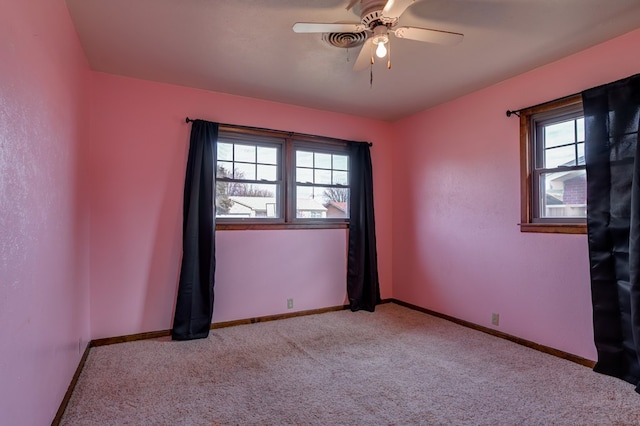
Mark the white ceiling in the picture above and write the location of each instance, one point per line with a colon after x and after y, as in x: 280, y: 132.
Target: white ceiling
x: 247, y: 47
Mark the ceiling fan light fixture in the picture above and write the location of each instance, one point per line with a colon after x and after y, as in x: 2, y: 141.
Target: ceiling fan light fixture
x: 380, y: 38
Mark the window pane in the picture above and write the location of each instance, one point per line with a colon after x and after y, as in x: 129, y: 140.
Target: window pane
x: 564, y: 194
x: 340, y: 162
x: 244, y: 171
x: 267, y: 172
x: 581, y: 154
x: 304, y: 191
x: 245, y: 153
x: 322, y: 177
x: 580, y: 129
x: 267, y: 155
x: 304, y: 159
x: 224, y: 169
x: 309, y: 203
x: 309, y: 208
x: 237, y: 200
x: 304, y: 175
x: 322, y: 202
x: 340, y: 178
x: 563, y: 156
x: 225, y: 151
x: 559, y: 134
x: 322, y: 161
x: 336, y: 200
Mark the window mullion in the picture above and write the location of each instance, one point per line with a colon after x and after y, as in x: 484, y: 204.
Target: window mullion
x: 290, y: 174
x: 575, y: 138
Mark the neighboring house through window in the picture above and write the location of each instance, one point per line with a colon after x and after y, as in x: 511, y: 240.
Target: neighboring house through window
x: 553, y: 175
x: 337, y: 209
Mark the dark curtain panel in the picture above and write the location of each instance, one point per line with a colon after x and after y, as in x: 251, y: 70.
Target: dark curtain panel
x: 194, y: 305
x: 363, y: 287
x: 612, y: 114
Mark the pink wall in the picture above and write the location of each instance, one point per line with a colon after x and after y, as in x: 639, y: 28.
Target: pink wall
x: 44, y: 279
x: 139, y: 143
x: 457, y: 247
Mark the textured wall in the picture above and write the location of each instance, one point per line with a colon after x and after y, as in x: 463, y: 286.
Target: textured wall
x: 457, y: 246
x: 43, y: 212
x: 139, y: 143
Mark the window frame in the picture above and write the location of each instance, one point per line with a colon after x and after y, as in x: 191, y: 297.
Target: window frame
x: 286, y: 173
x: 569, y: 107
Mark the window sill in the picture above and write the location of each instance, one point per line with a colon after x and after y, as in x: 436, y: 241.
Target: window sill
x: 275, y: 226
x: 554, y: 228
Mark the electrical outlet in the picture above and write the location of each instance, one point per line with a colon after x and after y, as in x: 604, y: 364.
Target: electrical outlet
x: 495, y: 318
x: 289, y: 303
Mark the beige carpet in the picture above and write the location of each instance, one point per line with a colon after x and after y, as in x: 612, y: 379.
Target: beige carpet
x: 393, y: 367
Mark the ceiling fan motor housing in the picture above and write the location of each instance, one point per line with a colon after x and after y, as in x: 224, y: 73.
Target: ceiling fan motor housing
x: 371, y: 17
x: 371, y: 14
x: 380, y: 35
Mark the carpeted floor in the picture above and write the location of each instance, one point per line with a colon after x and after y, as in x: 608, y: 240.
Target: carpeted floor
x: 392, y: 367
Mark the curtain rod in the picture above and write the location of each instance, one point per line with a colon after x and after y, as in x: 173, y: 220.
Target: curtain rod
x: 517, y: 111
x: 190, y: 120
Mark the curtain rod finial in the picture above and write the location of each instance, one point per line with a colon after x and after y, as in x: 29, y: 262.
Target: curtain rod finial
x: 516, y: 113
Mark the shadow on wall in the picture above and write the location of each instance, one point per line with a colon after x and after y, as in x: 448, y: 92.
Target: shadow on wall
x: 411, y: 273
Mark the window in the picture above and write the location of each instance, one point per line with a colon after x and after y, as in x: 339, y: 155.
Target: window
x: 553, y: 175
x: 273, y: 179
x: 322, y: 184
x: 248, y: 177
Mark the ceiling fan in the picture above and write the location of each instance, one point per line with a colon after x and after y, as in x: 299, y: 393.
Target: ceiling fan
x: 379, y: 19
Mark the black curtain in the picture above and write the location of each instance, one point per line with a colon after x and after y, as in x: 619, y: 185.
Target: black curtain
x: 612, y: 114
x: 363, y: 287
x: 194, y: 304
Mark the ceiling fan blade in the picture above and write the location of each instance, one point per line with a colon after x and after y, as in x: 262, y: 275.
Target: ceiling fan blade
x: 428, y: 36
x: 352, y: 3
x: 364, y: 57
x: 313, y: 27
x: 395, y: 8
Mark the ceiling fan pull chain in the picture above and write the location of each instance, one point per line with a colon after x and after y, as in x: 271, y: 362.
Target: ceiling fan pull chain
x: 371, y: 76
x: 371, y: 61
x: 389, y: 58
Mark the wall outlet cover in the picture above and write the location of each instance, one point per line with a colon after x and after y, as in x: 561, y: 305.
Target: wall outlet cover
x: 495, y: 319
